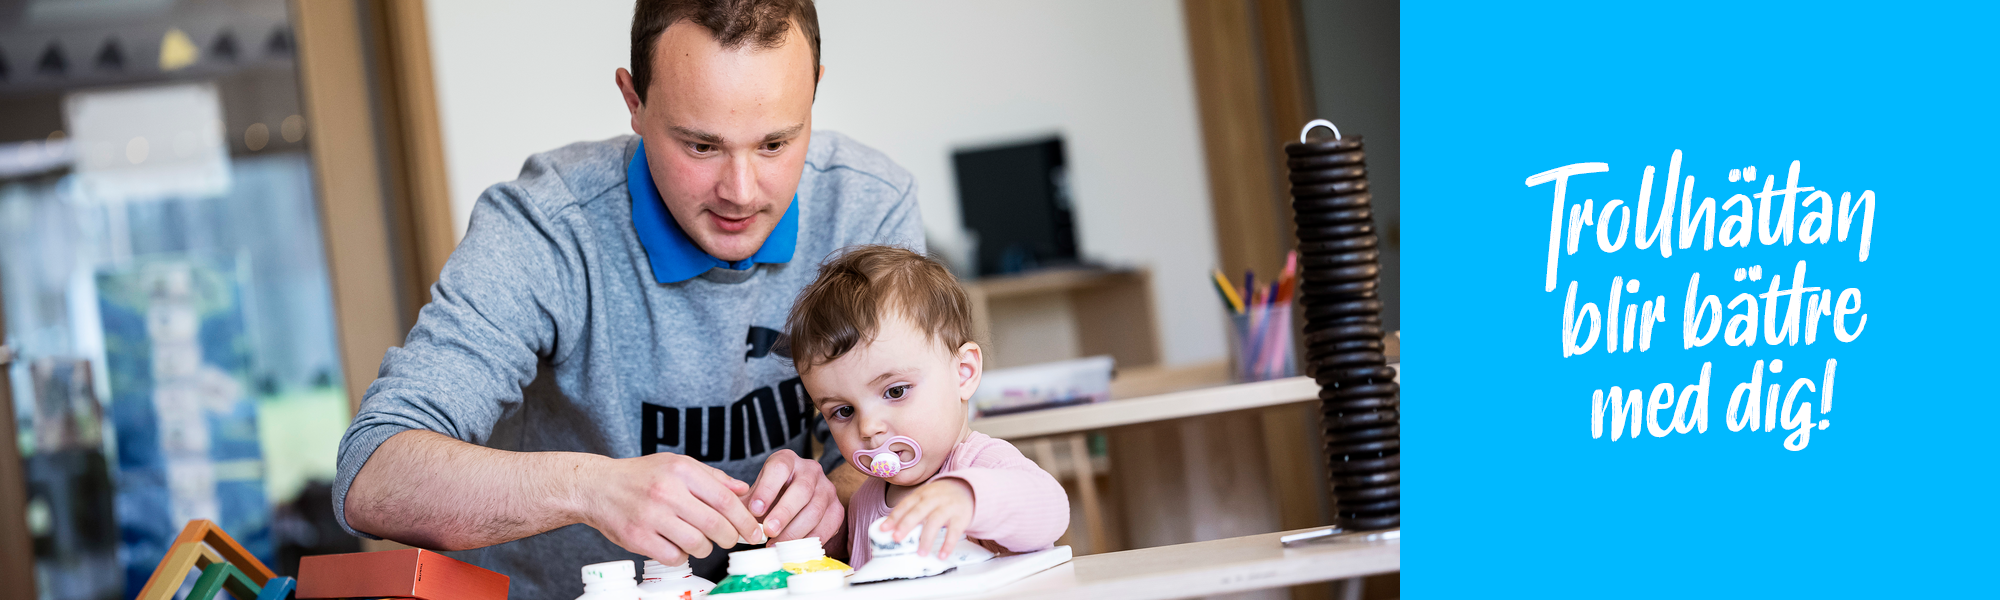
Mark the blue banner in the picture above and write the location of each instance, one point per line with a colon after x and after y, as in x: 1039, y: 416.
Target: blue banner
x: 1697, y: 298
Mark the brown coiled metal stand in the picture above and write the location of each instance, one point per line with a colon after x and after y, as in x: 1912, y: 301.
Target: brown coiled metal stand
x: 1340, y: 271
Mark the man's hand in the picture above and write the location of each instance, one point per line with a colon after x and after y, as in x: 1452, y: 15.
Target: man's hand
x: 666, y: 507
x: 795, y: 499
x: 945, y: 503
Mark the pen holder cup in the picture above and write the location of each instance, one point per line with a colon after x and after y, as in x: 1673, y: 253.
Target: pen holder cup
x: 1261, y: 345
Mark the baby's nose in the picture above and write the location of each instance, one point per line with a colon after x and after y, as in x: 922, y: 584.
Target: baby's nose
x: 873, y: 430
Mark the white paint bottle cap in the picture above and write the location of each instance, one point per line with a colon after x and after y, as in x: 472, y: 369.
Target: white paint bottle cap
x: 800, y: 550
x: 754, y: 562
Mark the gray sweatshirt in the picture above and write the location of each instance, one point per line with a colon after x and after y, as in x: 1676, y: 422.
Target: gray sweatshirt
x: 549, y: 330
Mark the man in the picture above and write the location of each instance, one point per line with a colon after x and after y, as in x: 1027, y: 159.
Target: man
x: 594, y: 371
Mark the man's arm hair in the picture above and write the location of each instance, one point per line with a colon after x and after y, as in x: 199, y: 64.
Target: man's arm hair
x: 414, y: 453
x: 431, y: 491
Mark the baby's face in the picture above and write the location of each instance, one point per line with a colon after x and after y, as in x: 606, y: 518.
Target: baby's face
x: 901, y: 383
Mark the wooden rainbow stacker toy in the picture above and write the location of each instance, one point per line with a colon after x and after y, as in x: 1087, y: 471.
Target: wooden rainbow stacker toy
x: 222, y: 565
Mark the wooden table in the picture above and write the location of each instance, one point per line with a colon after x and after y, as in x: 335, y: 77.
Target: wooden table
x: 1223, y: 566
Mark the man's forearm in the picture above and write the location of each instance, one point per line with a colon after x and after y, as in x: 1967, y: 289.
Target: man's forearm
x: 432, y: 491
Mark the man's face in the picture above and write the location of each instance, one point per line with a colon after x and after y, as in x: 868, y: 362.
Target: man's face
x: 726, y: 133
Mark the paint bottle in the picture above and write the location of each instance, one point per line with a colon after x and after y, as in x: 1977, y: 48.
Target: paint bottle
x: 609, y: 581
x: 672, y: 582
x: 808, y: 555
x: 753, y: 574
x: 816, y: 582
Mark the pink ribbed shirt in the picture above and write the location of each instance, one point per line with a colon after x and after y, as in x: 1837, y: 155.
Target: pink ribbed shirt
x: 1017, y: 507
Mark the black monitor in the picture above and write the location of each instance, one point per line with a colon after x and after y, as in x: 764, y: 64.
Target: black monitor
x: 1014, y: 199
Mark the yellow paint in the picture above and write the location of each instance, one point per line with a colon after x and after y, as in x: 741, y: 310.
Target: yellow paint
x: 818, y: 564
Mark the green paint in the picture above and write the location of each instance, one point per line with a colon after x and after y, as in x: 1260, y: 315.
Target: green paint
x: 774, y: 580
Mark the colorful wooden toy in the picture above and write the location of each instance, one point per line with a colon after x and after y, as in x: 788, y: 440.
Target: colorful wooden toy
x: 202, y: 547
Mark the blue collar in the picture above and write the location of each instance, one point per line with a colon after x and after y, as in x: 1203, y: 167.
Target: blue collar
x: 674, y: 257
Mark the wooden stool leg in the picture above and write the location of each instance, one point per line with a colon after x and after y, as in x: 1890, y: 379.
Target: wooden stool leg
x: 1350, y: 588
x: 1043, y: 451
x: 1086, y: 485
x: 1044, y: 454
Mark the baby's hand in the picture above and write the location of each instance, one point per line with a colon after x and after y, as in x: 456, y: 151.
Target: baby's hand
x: 943, y: 503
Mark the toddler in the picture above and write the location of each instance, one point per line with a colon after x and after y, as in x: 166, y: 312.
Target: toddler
x: 883, y: 341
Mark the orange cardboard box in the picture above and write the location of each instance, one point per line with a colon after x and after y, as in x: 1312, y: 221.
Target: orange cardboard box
x: 413, y: 573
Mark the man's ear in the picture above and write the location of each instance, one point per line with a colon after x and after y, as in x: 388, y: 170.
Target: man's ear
x: 970, y: 363
x: 631, y: 94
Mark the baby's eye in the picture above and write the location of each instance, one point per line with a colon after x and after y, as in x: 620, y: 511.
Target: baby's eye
x: 843, y: 413
x: 897, y: 392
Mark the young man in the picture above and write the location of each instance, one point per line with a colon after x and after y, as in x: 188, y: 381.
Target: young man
x: 594, y: 370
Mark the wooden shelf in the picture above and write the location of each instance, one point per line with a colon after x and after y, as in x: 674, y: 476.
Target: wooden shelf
x: 1047, y: 281
x: 1176, y: 405
x: 1065, y: 313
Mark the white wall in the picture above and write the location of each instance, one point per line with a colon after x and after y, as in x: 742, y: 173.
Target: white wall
x: 914, y: 79
x: 517, y: 77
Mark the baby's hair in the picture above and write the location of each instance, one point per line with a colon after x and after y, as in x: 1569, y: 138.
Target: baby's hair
x: 858, y: 288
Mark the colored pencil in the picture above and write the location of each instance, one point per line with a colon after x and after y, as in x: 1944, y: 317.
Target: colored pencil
x: 1288, y: 280
x: 1276, y: 340
x: 1229, y: 297
x: 1258, y: 328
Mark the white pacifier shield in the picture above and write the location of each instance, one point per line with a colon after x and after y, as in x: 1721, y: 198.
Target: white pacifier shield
x: 883, y: 461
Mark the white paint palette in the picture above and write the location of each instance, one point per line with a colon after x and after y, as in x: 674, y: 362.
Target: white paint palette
x: 969, y: 579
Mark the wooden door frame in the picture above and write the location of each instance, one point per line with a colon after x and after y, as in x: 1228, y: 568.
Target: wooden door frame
x: 17, y: 548
x: 1253, y: 92
x: 379, y: 181
x: 378, y: 159
x: 415, y: 145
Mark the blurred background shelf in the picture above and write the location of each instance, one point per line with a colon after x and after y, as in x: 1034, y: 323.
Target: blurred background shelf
x: 1064, y: 313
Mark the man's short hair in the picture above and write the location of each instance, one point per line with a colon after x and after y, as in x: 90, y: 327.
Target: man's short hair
x: 859, y: 288
x: 734, y: 23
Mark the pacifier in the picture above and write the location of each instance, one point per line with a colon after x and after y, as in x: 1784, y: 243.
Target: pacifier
x: 883, y: 461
